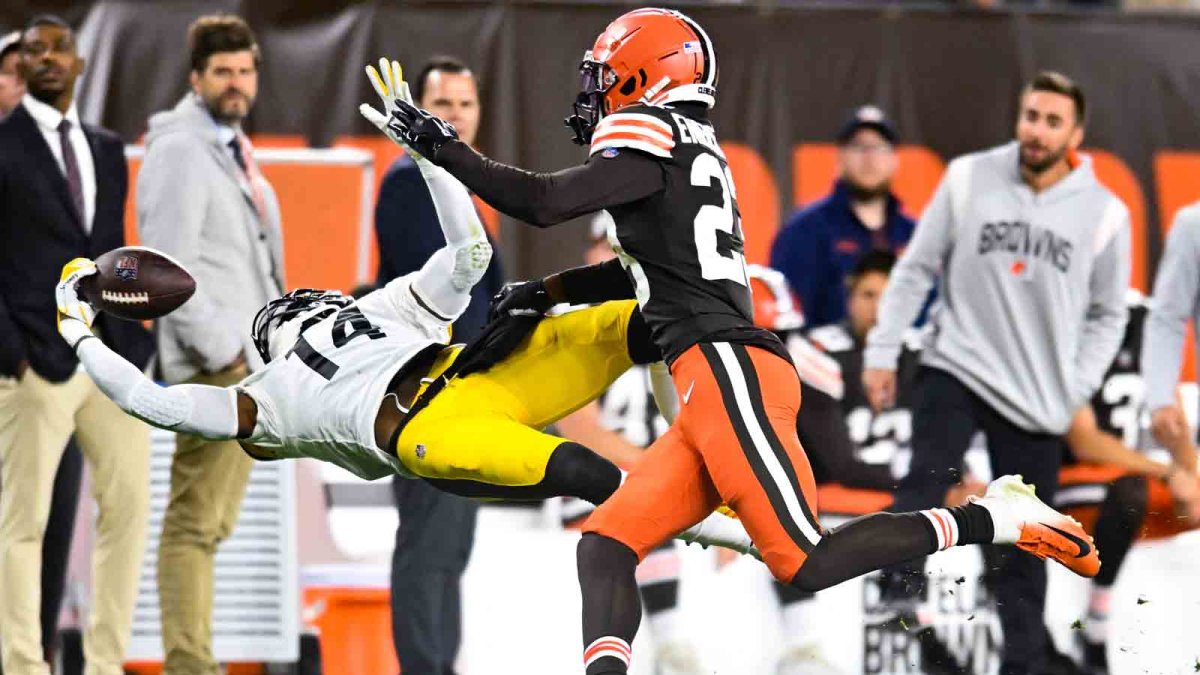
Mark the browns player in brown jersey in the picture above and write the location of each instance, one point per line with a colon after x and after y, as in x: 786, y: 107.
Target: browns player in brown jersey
x: 654, y: 164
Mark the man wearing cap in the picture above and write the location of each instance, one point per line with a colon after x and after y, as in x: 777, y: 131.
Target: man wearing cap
x: 822, y: 242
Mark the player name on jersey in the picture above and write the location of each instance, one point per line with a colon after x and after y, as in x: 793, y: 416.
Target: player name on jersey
x: 691, y: 131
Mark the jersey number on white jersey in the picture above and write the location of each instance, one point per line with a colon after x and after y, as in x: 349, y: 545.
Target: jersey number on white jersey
x: 349, y: 324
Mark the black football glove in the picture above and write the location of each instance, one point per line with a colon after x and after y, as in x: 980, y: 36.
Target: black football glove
x: 422, y: 131
x: 521, y: 298
x: 499, y: 339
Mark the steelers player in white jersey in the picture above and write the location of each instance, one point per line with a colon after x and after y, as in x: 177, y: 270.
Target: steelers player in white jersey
x: 345, y: 379
x: 342, y: 378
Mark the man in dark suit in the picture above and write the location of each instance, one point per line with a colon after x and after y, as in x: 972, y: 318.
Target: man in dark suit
x: 56, y: 547
x: 433, y: 542
x: 62, y: 194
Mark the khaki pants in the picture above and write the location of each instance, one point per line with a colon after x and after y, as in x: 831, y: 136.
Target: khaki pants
x: 208, y: 480
x: 36, y: 419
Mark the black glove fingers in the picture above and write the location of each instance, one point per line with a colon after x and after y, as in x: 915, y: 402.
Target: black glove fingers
x: 404, y: 111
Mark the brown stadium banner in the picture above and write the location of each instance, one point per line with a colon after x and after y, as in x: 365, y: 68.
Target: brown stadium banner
x: 788, y: 77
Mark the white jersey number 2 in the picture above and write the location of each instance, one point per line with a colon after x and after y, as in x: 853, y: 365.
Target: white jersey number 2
x: 711, y: 219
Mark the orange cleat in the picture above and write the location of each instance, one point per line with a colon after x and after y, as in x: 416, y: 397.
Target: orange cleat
x: 1021, y: 519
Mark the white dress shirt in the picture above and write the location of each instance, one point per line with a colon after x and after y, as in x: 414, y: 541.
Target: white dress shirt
x: 48, y: 119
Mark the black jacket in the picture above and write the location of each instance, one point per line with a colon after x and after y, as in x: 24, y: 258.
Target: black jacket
x: 39, y: 233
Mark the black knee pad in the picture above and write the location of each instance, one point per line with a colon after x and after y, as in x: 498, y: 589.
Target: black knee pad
x: 576, y: 471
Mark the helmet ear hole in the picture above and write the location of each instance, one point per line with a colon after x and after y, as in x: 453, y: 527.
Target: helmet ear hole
x: 628, y: 87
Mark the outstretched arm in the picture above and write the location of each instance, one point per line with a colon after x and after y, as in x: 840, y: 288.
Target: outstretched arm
x: 545, y: 199
x: 541, y: 199
x: 197, y: 409
x: 442, y: 286
x: 201, y: 410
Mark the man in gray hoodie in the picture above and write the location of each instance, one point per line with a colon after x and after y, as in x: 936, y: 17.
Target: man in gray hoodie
x: 1175, y: 304
x: 1032, y: 253
x: 202, y: 199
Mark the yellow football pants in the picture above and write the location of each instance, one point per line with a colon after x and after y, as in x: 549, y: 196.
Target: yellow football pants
x: 486, y: 427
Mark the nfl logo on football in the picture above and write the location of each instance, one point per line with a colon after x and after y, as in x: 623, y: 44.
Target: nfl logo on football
x: 126, y: 268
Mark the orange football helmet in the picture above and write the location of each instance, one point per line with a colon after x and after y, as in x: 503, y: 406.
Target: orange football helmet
x: 775, y: 308
x: 653, y: 56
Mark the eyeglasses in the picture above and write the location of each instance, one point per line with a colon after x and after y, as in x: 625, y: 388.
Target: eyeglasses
x: 39, y: 49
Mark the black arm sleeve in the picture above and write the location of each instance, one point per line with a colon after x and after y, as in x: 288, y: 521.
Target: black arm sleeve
x: 825, y: 438
x: 592, y: 284
x: 545, y: 199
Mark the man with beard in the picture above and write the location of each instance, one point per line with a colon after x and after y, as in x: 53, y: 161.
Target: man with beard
x: 202, y: 199
x: 1032, y: 253
x: 820, y: 244
x: 64, y: 185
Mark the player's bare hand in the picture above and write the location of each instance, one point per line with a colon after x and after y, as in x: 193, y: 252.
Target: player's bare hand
x: 880, y: 385
x: 1169, y: 425
x: 1189, y: 510
x: 1185, y: 489
x: 75, y: 314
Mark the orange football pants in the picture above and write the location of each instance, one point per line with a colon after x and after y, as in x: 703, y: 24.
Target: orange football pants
x: 734, y: 441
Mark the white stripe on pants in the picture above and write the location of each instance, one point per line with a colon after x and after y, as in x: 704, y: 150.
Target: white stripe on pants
x: 745, y: 410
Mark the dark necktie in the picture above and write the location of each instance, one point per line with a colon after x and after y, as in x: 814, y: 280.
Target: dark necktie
x: 74, y: 182
x: 879, y: 239
x: 237, y: 154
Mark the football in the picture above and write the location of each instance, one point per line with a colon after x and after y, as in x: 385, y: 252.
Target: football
x: 137, y: 283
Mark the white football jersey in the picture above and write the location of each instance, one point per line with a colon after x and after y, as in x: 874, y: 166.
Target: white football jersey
x: 320, y: 400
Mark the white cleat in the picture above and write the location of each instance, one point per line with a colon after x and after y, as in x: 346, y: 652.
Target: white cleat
x: 1021, y: 519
